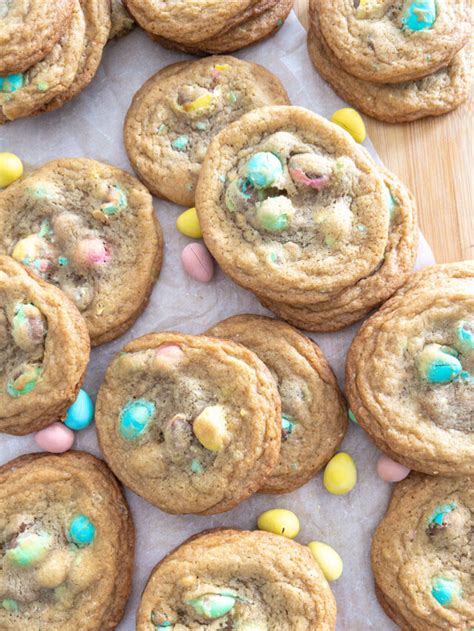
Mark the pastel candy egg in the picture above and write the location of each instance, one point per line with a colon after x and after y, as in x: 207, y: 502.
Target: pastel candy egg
x: 171, y: 353
x: 279, y: 521
x: 92, y: 252
x: 11, y: 83
x: 210, y: 428
x: 445, y: 590
x: 28, y: 327
x: 275, y: 213
x: 340, y: 475
x: 287, y: 426
x: 438, y: 364
x: 197, y: 262
x: 188, y: 224
x: 465, y: 336
x: 81, y: 531
x: 24, y: 380
x: 310, y: 170
x: 212, y: 605
x: 391, y: 471
x: 56, y: 438
x: 438, y: 517
x: 264, y: 169
x: 419, y: 15
x: 350, y: 120
x: 328, y: 560
x: 81, y: 413
x: 370, y: 9
x: 30, y: 548
x: 11, y: 168
x: 10, y: 605
x: 33, y: 251
x: 135, y: 417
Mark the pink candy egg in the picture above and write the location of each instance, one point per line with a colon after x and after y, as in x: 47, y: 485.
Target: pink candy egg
x: 197, y: 262
x: 170, y: 352
x: 56, y: 438
x: 92, y: 252
x: 391, y: 471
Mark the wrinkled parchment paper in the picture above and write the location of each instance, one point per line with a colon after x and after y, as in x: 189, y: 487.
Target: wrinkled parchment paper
x: 91, y: 126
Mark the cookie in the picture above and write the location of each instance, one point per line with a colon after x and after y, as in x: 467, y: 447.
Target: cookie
x: 175, y: 114
x: 122, y: 21
x: 314, y: 416
x: 90, y: 229
x: 30, y: 30
x: 409, y: 372
x: 421, y: 554
x: 389, y: 41
x: 290, y: 206
x: 190, y: 423
x: 27, y: 93
x: 233, y: 579
x: 67, y: 544
x: 355, y: 302
x: 436, y: 94
x: 44, y: 350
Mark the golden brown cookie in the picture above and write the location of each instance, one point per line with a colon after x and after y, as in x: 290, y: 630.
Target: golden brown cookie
x: 233, y: 579
x: 44, y: 350
x: 67, y: 544
x: 314, y: 416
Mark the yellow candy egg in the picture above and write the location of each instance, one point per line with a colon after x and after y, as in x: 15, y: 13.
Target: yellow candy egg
x: 279, y: 521
x: 340, y: 475
x: 188, y: 224
x: 328, y: 560
x: 11, y: 168
x: 210, y: 428
x: 351, y: 121
x: 201, y: 102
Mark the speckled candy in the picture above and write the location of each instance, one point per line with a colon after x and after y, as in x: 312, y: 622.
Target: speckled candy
x: 213, y: 606
x: 438, y: 364
x: 81, y: 413
x: 264, y: 169
x: 92, y: 252
x: 11, y: 168
x: 391, y: 471
x: 340, y: 475
x: 135, y: 417
x: 279, y: 521
x: 81, y: 531
x: 419, y: 15
x: 445, y: 590
x: 197, y: 262
x: 56, y: 438
x: 328, y: 560
x: 30, y: 548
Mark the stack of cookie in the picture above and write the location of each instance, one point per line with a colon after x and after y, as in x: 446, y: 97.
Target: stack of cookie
x: 50, y: 51
x: 395, y: 61
x: 210, y: 26
x: 293, y: 209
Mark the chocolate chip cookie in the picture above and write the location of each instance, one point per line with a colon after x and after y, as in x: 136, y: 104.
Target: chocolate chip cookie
x: 67, y: 542
x: 231, y: 579
x: 410, y: 372
x: 314, y: 416
x: 422, y: 554
x: 177, y: 112
x: 44, y: 350
x: 190, y: 423
x: 90, y: 229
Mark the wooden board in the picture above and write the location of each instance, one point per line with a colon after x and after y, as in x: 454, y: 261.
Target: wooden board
x: 435, y: 158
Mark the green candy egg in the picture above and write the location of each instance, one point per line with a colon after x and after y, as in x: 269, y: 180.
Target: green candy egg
x: 213, y: 605
x: 274, y: 214
x: 24, y: 382
x: 10, y: 605
x: 31, y: 548
x: 287, y: 426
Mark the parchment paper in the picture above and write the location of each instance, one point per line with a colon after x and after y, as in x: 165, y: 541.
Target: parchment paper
x: 91, y: 126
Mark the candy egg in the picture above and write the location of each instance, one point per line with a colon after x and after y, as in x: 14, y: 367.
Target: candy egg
x: 352, y: 416
x: 264, y: 169
x: 30, y: 548
x: 11, y: 168
x: 213, y: 605
x: 12, y: 82
x: 438, y: 364
x: 81, y: 531
x: 419, y: 15
x: 56, y: 438
x: 328, y: 560
x: 170, y: 353
x: 197, y: 262
x: 92, y: 252
x: 350, y: 120
x: 444, y: 590
x: 24, y: 380
x: 370, y: 9
x: 275, y: 213
x: 279, y: 521
x: 465, y: 335
x: 188, y: 224
x: 81, y: 413
x: 10, y: 605
x: 210, y: 428
x: 135, y: 417
x: 28, y: 328
x: 391, y: 471
x: 340, y: 475
x: 287, y: 426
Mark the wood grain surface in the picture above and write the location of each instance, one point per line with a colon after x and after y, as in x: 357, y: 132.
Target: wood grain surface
x: 435, y: 158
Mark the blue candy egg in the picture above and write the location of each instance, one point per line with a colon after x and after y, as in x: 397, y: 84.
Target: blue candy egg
x: 465, y: 334
x: 264, y: 169
x: 438, y: 364
x: 82, y: 531
x: 419, y: 15
x: 135, y: 417
x: 11, y: 83
x: 439, y: 513
x: 81, y: 413
x: 444, y: 590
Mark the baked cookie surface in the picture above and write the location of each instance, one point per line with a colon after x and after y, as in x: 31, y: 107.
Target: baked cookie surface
x: 122, y: 21
x: 434, y: 95
x: 314, y: 416
x: 230, y: 579
x: 290, y: 206
x: 389, y: 41
x: 409, y: 372
x: 44, y: 350
x: 190, y: 423
x: 29, y: 29
x: 90, y: 229
x: 422, y: 554
x: 67, y: 544
x: 177, y: 112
